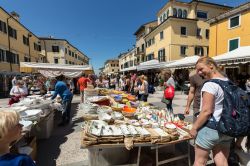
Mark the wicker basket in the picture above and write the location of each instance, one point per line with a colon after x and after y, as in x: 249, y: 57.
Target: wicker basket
x: 117, y: 109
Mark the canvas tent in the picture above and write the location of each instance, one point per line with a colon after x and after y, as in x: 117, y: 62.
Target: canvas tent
x: 237, y: 56
x: 54, y: 70
x: 152, y: 64
x: 187, y: 62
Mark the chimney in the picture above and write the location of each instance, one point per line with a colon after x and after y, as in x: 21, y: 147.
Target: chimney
x: 15, y: 15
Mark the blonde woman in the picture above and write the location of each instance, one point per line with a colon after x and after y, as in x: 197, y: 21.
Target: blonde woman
x: 143, y: 88
x: 10, y: 131
x: 212, y: 97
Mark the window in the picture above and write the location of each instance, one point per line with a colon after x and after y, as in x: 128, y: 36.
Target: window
x: 131, y: 63
x: 164, y: 16
x: 55, y: 48
x: 233, y: 44
x: 199, y: 51
x: 14, y: 58
x: 198, y: 32
x: 56, y: 60
x: 149, y: 57
x: 207, y: 33
x: 184, y: 15
x: 27, y: 59
x: 12, y: 32
x: 69, y: 53
x: 76, y: 56
x: 138, y: 50
x: 113, y: 70
x: 179, y: 13
x: 183, y: 50
x: 37, y: 47
x: 69, y: 62
x: 66, y: 51
x: 167, y: 13
x: 72, y: 54
x: 161, y: 55
x: 3, y: 56
x: 142, y: 47
x: 183, y: 31
x: 234, y: 21
x: 25, y: 40
x: 3, y: 27
x: 161, y: 35
x: 66, y: 62
x: 201, y: 14
x: 175, y: 12
x: 161, y: 19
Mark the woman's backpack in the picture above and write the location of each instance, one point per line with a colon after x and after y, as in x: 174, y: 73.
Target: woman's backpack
x: 235, y: 117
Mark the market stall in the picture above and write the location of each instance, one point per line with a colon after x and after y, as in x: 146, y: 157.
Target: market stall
x: 187, y: 62
x: 152, y: 64
x: 235, y: 62
x: 37, y: 117
x: 115, y: 121
x: 54, y: 70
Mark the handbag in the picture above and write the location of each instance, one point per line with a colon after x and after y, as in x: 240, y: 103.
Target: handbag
x: 169, y: 92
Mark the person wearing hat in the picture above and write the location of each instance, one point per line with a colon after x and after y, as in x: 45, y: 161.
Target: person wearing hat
x: 63, y: 91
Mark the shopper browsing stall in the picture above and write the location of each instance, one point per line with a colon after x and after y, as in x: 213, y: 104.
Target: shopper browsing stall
x: 82, y: 84
x: 62, y: 89
x: 10, y: 131
x: 168, y: 81
x: 143, y: 88
x: 196, y: 83
x: 211, y: 108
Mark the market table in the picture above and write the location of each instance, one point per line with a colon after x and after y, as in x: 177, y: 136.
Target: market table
x: 156, y: 147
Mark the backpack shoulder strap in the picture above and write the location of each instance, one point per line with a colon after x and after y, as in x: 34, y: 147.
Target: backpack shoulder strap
x: 223, y: 84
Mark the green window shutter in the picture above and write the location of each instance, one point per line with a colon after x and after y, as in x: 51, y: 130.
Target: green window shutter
x: 233, y: 44
x: 234, y: 21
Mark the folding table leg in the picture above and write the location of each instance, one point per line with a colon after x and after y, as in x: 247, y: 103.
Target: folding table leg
x: 138, y: 156
x: 189, y: 157
x: 156, y: 157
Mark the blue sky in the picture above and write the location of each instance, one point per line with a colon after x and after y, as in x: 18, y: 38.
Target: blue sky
x: 100, y: 28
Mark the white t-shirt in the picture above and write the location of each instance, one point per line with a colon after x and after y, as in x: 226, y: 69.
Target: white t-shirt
x: 20, y: 91
x: 170, y: 82
x: 217, y: 92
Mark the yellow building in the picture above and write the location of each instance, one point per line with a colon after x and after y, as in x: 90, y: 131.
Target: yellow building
x: 111, y: 66
x: 127, y: 61
x: 60, y: 51
x: 229, y: 31
x: 17, y: 43
x: 182, y: 30
x: 140, y: 42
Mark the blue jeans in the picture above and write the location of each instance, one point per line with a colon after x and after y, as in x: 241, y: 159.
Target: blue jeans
x: 66, y: 110
x: 169, y: 105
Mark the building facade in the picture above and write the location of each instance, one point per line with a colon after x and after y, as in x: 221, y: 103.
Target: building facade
x: 60, y: 51
x: 140, y: 42
x: 128, y: 61
x: 228, y: 32
x: 111, y: 66
x: 17, y: 43
x: 182, y: 30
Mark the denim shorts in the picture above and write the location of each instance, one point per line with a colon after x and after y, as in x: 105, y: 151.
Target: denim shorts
x: 208, y: 138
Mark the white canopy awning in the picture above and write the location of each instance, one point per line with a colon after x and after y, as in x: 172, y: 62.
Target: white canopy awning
x: 239, y: 55
x: 152, y: 64
x: 54, y: 70
x: 129, y: 69
x: 186, y: 62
